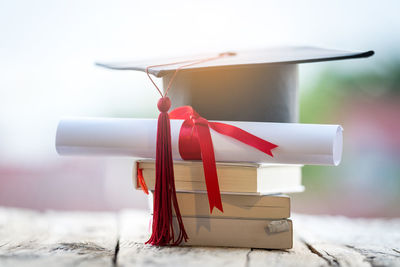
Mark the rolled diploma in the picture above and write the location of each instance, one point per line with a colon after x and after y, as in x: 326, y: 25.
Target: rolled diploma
x: 312, y: 144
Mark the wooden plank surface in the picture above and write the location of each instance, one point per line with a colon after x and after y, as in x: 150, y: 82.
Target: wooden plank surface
x: 29, y: 238
x: 351, y: 242
x: 133, y: 252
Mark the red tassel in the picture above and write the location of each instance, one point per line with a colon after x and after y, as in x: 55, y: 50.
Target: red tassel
x: 164, y: 193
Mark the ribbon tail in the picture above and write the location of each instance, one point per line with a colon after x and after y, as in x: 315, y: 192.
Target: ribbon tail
x: 140, y: 179
x: 210, y: 168
x: 244, y: 137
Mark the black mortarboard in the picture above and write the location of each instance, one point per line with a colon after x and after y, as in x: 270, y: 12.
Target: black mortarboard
x: 257, y: 85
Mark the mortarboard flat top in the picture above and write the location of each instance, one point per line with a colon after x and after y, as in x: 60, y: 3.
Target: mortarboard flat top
x: 289, y: 54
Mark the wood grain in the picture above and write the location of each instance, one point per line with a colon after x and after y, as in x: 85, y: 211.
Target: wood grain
x: 29, y: 238
x: 351, y: 242
x: 133, y: 252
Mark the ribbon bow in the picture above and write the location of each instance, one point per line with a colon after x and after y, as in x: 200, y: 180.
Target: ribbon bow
x: 195, y: 143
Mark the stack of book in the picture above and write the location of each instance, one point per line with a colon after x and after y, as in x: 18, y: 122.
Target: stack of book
x: 251, y: 90
x: 256, y: 213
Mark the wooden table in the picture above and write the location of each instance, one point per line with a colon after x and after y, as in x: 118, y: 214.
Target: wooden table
x: 29, y: 238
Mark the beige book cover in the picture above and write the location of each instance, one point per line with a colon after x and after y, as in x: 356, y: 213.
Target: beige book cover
x: 233, y: 178
x: 236, y: 206
x: 256, y: 233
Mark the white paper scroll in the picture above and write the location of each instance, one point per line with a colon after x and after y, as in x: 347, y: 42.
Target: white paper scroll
x: 312, y: 144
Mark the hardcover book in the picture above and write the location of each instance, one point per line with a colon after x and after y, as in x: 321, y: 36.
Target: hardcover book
x: 233, y: 178
x: 235, y: 206
x: 251, y: 233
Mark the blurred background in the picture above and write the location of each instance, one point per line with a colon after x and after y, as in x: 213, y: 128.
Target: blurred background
x: 47, y: 51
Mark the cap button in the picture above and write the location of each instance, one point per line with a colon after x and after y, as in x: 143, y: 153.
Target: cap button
x: 164, y: 104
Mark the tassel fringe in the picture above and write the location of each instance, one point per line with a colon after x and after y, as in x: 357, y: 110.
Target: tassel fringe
x: 165, y: 193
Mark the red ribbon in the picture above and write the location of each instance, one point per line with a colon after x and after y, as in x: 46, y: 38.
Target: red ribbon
x: 195, y: 143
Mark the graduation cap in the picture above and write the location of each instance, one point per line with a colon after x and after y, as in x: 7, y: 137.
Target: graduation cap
x: 238, y: 86
x: 257, y: 85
